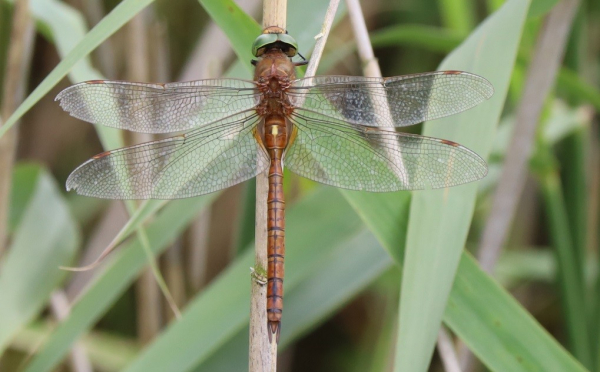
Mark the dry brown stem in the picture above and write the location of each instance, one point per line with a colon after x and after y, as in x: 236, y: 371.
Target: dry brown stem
x: 17, y: 67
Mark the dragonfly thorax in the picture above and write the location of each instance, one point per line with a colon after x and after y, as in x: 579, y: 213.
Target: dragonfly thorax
x: 273, y: 75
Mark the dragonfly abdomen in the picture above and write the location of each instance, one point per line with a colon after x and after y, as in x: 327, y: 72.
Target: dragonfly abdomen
x: 275, y: 141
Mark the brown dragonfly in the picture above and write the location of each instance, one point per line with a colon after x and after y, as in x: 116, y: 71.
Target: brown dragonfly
x: 337, y: 130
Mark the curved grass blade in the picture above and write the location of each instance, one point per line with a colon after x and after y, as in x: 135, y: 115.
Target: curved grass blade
x: 109, y: 25
x: 106, y: 288
x: 220, y: 312
x: 101, y: 295
x: 347, y: 268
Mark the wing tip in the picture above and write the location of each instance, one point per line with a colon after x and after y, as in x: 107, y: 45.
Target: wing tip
x: 71, y: 184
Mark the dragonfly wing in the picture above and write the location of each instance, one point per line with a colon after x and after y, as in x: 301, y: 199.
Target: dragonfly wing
x: 359, y: 157
x: 391, y: 102
x: 158, y: 108
x: 208, y: 159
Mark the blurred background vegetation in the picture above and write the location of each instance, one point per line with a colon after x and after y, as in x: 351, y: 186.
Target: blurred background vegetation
x: 342, y: 286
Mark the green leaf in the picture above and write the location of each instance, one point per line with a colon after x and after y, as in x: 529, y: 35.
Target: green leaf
x: 118, y: 275
x: 346, y: 268
x: 315, y: 226
x: 46, y: 238
x: 24, y: 185
x: 440, y: 219
x: 430, y: 38
x: 497, y: 329
x: 472, y: 315
x: 106, y: 351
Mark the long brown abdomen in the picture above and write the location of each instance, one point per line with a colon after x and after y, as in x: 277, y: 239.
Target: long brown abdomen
x: 275, y: 141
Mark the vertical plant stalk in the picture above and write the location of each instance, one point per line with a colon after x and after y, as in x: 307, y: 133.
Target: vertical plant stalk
x: 15, y: 76
x: 263, y: 346
x: 371, y: 69
x: 151, y: 281
x: 363, y: 42
x: 263, y: 354
x: 147, y: 295
x: 197, y: 241
x: 173, y: 258
x: 447, y: 351
x: 94, y: 12
x: 317, y: 53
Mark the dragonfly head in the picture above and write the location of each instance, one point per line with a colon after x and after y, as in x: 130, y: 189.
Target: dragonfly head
x: 283, y: 42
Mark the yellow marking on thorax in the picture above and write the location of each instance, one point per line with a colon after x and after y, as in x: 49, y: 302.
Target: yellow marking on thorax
x: 275, y: 130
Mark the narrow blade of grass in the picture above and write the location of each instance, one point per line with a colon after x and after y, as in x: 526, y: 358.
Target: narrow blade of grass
x: 440, y: 219
x: 570, y: 278
x: 315, y: 226
x: 497, y: 329
x: 109, y: 25
x: 347, y: 268
x: 126, y: 265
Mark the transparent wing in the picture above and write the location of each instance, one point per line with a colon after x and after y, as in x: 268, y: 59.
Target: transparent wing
x: 157, y: 108
x: 358, y: 157
x: 394, y: 101
x: 208, y: 159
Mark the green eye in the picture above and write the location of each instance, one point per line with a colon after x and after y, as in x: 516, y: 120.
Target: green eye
x: 288, y: 44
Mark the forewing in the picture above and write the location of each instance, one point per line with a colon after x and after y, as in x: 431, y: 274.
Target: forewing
x: 394, y: 101
x: 157, y: 108
x: 358, y: 157
x: 208, y: 159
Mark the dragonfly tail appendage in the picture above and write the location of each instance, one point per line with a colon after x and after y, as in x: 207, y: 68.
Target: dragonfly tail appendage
x: 274, y: 329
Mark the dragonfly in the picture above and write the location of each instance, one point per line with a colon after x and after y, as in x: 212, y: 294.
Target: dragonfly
x: 336, y: 130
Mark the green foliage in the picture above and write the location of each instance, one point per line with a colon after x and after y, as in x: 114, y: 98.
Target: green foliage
x: 338, y: 242
x: 439, y: 220
x: 45, y: 237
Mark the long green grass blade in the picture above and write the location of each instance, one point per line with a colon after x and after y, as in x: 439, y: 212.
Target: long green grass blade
x: 29, y: 272
x: 430, y: 38
x: 440, y: 219
x: 67, y: 28
x: 570, y: 278
x: 107, y: 352
x: 126, y: 265
x: 221, y: 311
x: 498, y: 329
x: 109, y: 25
x: 347, y: 268
x: 575, y: 189
x: 101, y: 295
